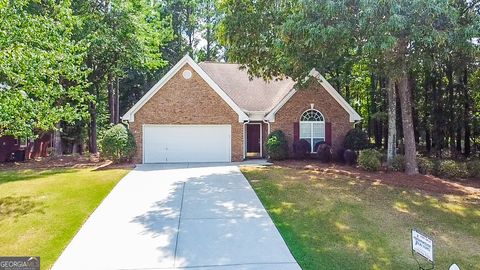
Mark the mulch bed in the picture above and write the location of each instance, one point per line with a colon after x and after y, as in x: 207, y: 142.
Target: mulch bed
x: 427, y: 183
x: 69, y: 161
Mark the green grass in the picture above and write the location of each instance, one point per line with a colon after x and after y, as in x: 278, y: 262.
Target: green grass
x: 41, y: 210
x: 335, y: 222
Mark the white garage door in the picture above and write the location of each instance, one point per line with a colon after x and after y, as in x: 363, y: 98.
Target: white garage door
x: 186, y: 143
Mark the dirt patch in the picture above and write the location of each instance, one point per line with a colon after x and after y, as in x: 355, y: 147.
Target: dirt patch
x: 427, y: 183
x: 69, y: 161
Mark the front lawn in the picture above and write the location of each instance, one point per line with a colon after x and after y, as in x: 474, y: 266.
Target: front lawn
x: 331, y: 221
x: 41, y: 210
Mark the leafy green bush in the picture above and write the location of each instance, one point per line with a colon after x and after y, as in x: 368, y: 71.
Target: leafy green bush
x: 324, y: 153
x: 277, y: 146
x: 118, y: 144
x: 356, y: 139
x: 370, y: 160
x: 452, y: 169
x: 398, y: 163
x: 425, y: 165
x: 473, y: 168
x: 301, y: 149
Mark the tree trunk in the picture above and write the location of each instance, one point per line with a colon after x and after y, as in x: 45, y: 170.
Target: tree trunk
x: 426, y: 112
x: 392, y: 123
x: 466, y: 114
x: 92, y: 131
x: 209, y: 44
x: 438, y: 116
x: 111, y: 99
x: 450, y: 101
x: 57, y: 141
x: 407, y: 124
x: 458, y: 147
x: 117, y: 102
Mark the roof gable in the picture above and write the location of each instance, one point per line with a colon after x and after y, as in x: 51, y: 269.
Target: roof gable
x: 353, y: 115
x: 130, y: 115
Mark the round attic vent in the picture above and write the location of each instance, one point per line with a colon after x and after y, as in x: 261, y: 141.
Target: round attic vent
x: 187, y: 74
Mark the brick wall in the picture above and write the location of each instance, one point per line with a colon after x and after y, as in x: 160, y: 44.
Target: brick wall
x: 192, y: 101
x: 323, y: 102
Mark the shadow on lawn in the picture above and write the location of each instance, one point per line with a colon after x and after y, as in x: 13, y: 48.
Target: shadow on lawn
x: 12, y: 176
x: 349, y: 223
x: 17, y: 206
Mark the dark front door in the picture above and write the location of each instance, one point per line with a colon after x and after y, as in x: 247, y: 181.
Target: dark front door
x: 253, y: 138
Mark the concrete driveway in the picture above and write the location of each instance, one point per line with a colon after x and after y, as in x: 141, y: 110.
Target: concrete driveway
x: 178, y: 217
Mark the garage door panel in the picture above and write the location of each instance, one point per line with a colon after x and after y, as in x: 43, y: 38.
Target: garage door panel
x: 187, y: 143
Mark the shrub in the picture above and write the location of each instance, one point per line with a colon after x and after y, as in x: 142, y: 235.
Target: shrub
x: 473, y: 168
x: 339, y: 155
x: 369, y: 160
x: 356, y: 139
x: 118, y: 144
x: 350, y: 156
x: 398, y: 163
x: 324, y: 153
x: 425, y: 165
x: 301, y: 149
x: 452, y: 169
x: 315, y: 147
x: 277, y: 147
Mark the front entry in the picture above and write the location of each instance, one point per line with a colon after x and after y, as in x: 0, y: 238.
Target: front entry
x: 254, y: 140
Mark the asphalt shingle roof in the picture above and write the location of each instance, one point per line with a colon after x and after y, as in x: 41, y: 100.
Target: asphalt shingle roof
x: 251, y: 95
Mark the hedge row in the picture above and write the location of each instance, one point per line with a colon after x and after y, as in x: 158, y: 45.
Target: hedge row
x: 371, y: 160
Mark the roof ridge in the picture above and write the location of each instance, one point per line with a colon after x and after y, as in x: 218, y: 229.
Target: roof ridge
x: 223, y: 63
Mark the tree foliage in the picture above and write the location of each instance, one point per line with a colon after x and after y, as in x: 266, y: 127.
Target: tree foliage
x: 41, y: 75
x: 360, y: 46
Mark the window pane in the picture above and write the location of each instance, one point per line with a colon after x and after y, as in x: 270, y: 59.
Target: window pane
x: 311, y: 115
x: 316, y: 143
x: 305, y: 130
x: 318, y: 130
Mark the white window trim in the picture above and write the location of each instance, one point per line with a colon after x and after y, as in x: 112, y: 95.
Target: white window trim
x: 311, y: 138
x: 22, y: 142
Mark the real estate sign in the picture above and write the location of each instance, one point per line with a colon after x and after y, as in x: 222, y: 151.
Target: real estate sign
x: 422, y: 245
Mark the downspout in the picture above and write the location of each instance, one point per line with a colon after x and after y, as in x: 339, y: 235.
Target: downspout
x: 127, y: 123
x: 268, y: 130
x: 244, y: 139
x: 268, y: 125
x: 355, y: 123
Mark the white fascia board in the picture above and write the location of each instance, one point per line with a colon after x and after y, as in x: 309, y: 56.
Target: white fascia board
x: 271, y: 115
x: 130, y: 114
x: 354, y: 116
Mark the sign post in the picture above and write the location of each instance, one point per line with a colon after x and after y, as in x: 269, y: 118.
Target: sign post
x: 423, y: 246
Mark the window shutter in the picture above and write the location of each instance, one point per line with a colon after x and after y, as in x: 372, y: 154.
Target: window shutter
x: 296, y: 131
x: 328, y: 133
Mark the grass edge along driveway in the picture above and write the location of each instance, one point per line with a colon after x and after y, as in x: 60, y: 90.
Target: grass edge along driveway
x: 41, y: 210
x: 335, y: 222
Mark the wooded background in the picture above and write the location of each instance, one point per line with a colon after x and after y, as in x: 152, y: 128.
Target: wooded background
x: 76, y: 66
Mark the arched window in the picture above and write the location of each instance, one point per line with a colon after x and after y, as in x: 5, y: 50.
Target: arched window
x: 312, y: 128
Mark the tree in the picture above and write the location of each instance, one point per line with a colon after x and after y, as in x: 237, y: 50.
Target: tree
x: 41, y: 79
x: 276, y: 38
x: 120, y: 35
x: 209, y: 18
x: 183, y: 16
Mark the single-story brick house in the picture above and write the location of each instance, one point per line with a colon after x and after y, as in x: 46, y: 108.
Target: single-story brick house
x: 213, y: 112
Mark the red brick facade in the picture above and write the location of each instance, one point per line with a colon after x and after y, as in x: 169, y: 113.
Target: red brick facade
x: 301, y: 101
x: 193, y: 101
